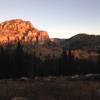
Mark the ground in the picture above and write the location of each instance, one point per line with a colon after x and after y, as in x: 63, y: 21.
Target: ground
x: 50, y: 88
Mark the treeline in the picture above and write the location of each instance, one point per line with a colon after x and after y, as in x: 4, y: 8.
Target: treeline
x: 17, y: 63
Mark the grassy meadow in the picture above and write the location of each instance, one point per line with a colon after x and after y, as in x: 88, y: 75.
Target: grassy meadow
x: 49, y: 88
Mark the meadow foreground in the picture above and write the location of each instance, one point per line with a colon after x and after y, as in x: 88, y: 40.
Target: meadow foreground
x: 49, y: 88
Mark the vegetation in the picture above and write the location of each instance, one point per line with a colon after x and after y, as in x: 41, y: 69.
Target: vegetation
x: 50, y: 88
x: 17, y: 63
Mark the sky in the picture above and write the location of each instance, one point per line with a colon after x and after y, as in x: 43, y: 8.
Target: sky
x: 60, y: 18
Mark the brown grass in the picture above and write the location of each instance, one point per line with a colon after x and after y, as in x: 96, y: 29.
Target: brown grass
x: 50, y: 89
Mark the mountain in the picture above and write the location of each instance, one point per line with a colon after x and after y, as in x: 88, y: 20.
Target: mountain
x: 84, y: 41
x: 38, y: 41
x: 20, y: 30
x: 80, y: 41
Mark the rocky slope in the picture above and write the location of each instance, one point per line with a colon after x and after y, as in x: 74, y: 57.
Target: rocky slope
x: 20, y: 30
x: 82, y: 45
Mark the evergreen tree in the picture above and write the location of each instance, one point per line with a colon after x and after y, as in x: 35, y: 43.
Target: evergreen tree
x: 19, y: 60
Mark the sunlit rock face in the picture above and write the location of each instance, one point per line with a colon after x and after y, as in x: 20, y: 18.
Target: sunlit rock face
x: 19, y: 30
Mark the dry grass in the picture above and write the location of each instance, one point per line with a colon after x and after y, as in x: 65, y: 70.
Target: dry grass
x: 50, y: 89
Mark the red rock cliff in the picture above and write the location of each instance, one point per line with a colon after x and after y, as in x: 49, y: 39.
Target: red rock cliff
x: 17, y: 29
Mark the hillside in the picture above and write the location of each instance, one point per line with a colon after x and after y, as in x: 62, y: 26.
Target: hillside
x: 85, y: 41
x: 15, y: 30
x: 19, y: 30
x: 28, y: 51
x: 80, y: 41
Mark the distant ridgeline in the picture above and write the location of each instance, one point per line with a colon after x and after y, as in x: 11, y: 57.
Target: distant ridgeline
x: 27, y: 51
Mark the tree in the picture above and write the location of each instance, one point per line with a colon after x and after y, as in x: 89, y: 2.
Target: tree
x: 63, y: 63
x: 19, y: 60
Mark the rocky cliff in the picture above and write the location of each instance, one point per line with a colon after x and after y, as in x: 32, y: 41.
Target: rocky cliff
x: 20, y: 30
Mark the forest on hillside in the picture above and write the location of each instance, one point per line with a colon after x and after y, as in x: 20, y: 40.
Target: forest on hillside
x: 17, y: 63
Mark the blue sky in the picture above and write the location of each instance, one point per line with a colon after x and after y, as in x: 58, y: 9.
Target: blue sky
x: 61, y: 18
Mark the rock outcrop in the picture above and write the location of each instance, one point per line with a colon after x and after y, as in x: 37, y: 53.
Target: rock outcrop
x: 20, y: 30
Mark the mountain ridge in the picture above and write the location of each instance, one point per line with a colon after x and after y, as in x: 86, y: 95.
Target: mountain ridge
x: 20, y: 30
x: 80, y: 41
